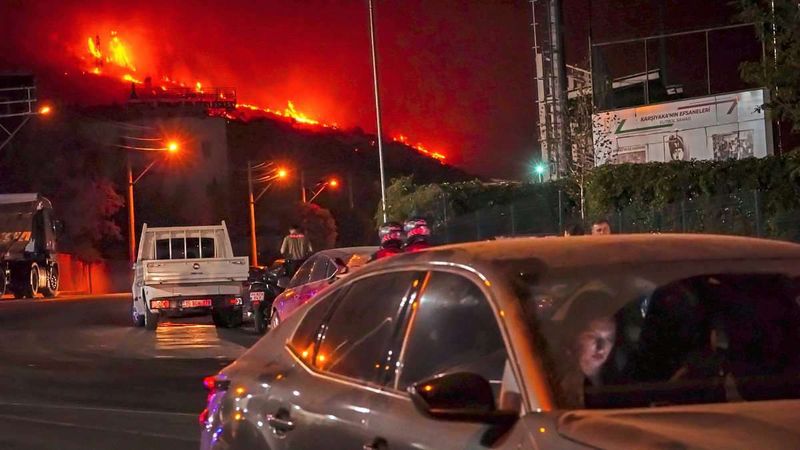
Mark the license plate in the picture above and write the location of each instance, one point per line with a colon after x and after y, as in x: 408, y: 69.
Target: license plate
x: 196, y: 303
x: 257, y: 296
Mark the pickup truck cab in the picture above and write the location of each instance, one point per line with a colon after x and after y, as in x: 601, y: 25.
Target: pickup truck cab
x: 188, y: 269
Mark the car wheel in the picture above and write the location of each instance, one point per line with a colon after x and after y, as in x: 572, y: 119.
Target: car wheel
x: 138, y: 319
x: 50, y: 288
x: 151, y: 320
x: 274, y: 319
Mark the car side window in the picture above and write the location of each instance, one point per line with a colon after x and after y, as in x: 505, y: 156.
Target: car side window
x: 305, y: 336
x: 439, y: 342
x: 363, y: 324
x: 303, y: 273
x: 320, y: 269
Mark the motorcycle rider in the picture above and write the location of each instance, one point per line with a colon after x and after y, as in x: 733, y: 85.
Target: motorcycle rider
x: 417, y: 235
x: 391, y: 236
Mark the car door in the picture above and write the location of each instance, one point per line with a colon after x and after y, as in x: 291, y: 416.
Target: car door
x: 452, y: 328
x: 326, y: 397
x: 290, y: 297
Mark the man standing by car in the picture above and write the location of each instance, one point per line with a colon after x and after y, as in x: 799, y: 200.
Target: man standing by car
x: 601, y: 227
x: 295, y: 249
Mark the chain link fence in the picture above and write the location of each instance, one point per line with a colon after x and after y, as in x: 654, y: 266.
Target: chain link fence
x: 741, y: 213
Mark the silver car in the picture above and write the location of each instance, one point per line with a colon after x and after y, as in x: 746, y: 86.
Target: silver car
x: 646, y: 341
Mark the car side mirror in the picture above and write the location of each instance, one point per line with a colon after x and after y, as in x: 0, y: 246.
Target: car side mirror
x: 460, y: 396
x: 341, y: 268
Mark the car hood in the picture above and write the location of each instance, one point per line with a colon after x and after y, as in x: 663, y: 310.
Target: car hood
x: 769, y: 424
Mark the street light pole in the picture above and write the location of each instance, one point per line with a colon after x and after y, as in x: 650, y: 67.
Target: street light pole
x: 131, y: 219
x: 251, y: 201
x: 377, y: 105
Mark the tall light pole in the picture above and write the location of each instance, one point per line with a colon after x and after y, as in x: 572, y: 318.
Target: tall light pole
x: 269, y: 175
x: 170, y: 147
x: 377, y: 105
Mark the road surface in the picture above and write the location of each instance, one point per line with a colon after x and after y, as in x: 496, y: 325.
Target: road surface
x: 75, y: 375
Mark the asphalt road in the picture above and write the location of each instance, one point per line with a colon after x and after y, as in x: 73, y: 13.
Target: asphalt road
x: 75, y: 375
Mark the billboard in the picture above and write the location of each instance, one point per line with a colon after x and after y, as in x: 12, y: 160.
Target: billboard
x: 720, y: 127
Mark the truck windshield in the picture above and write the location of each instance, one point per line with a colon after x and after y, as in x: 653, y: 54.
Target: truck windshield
x: 185, y: 248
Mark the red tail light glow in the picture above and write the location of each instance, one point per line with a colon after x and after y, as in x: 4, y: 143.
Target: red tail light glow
x: 235, y: 301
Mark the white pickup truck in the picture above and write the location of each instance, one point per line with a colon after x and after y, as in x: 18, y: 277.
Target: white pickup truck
x: 188, y: 269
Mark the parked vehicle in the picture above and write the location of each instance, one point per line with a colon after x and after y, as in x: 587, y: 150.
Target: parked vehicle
x: 188, y: 269
x: 28, y: 231
x: 263, y: 286
x: 316, y: 274
x: 613, y: 342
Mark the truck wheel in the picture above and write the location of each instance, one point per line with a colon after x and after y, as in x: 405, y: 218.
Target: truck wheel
x: 138, y: 319
x: 50, y: 288
x: 151, y: 320
x: 3, y: 282
x: 29, y: 283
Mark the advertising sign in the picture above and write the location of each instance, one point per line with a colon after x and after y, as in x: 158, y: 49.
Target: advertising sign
x: 728, y: 126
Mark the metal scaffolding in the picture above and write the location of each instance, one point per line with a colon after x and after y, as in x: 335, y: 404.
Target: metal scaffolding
x: 17, y: 104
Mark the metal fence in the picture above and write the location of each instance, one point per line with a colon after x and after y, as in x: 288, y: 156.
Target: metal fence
x: 741, y: 213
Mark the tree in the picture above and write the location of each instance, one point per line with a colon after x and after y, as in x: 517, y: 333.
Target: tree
x: 587, y: 148
x: 777, y: 24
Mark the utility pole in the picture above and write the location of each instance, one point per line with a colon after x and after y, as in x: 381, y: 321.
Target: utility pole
x: 377, y: 105
x: 131, y: 219
x: 251, y: 201
x: 559, y: 79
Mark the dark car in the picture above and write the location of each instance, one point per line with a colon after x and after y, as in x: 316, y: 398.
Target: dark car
x: 263, y: 287
x: 613, y: 342
x: 316, y: 274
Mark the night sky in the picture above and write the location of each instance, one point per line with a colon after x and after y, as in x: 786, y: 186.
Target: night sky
x: 457, y: 75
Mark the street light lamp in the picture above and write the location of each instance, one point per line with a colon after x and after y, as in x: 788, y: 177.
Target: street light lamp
x: 268, y: 175
x: 333, y: 182
x: 170, y: 148
x: 540, y: 168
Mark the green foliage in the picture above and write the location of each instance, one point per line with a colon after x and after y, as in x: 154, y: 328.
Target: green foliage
x: 780, y: 34
x: 702, y: 196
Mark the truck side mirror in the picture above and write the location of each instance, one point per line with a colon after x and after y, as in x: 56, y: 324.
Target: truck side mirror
x: 58, y: 227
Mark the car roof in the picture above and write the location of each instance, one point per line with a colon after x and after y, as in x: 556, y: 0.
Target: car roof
x: 582, y: 251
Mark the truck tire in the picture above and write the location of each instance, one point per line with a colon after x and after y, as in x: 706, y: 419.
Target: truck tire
x: 50, y: 288
x: 138, y: 319
x: 28, y: 285
x: 151, y: 320
x: 227, y: 317
x: 3, y: 281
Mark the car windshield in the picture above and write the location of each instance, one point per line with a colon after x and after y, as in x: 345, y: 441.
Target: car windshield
x: 684, y: 332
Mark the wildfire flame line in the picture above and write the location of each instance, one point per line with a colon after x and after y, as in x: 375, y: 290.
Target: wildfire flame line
x: 117, y: 54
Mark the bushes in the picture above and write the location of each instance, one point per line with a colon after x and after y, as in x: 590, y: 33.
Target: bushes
x: 653, y: 194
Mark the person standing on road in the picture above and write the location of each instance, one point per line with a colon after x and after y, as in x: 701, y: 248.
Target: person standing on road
x: 601, y: 227
x: 417, y: 235
x: 295, y: 249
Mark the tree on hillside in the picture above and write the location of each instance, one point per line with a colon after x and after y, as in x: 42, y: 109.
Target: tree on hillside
x: 777, y: 25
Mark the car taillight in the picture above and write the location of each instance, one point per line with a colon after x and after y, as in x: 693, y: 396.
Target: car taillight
x: 235, y: 301
x: 159, y: 304
x: 212, y: 385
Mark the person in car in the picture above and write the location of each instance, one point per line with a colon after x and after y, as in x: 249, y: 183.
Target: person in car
x: 589, y: 338
x: 601, y: 227
x: 417, y: 235
x: 391, y: 236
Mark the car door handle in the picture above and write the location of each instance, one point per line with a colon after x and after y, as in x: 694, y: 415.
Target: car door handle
x: 280, y: 424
